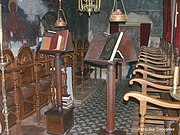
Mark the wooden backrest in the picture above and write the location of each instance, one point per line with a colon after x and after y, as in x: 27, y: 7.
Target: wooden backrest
x: 8, y: 55
x: 86, y: 44
x: 43, y: 62
x: 25, y: 62
x: 79, y: 45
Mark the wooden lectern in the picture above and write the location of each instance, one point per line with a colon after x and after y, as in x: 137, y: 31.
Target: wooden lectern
x: 58, y: 120
x: 127, y: 52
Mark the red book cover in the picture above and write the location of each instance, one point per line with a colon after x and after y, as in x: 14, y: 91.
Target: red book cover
x: 64, y: 34
x: 53, y: 42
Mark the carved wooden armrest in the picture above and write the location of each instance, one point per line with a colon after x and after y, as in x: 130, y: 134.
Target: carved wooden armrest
x: 150, y: 54
x: 28, y: 101
x: 159, y: 102
x: 143, y: 46
x: 38, y: 62
x: 10, y: 70
x: 151, y: 84
x: 26, y: 65
x: 10, y: 94
x: 154, y: 67
x: 44, y: 78
x: 153, y: 62
x: 150, y: 57
x: 75, y: 53
x: 66, y: 55
x: 152, y: 74
x: 150, y: 51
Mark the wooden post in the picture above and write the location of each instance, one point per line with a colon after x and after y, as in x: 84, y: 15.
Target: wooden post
x: 58, y: 120
x: 111, y: 94
x: 58, y: 81
x: 111, y: 88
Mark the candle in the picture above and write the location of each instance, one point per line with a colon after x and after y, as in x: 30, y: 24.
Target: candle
x: 79, y: 4
x: 1, y: 33
x: 1, y: 53
x: 1, y: 24
x: 97, y: 3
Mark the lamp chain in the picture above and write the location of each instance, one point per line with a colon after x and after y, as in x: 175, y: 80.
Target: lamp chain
x: 60, y: 5
x: 115, y: 6
x: 123, y: 7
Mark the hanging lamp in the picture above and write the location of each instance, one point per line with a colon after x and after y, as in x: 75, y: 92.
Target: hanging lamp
x: 117, y: 15
x: 61, y: 20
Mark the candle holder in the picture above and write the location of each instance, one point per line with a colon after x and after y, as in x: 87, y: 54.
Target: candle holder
x: 175, y: 92
x: 3, y: 64
x: 0, y: 128
x: 5, y: 110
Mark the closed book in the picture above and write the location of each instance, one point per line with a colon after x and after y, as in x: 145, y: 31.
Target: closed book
x: 66, y: 96
x: 68, y: 103
x: 67, y: 107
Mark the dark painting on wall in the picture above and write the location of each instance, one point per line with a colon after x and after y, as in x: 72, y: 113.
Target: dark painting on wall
x: 16, y: 26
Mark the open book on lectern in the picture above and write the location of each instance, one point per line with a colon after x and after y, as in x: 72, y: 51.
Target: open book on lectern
x: 57, y: 41
x: 110, y: 49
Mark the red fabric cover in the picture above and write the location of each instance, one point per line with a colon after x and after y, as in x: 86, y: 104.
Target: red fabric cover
x: 113, y: 27
x: 167, y: 22
x: 145, y: 33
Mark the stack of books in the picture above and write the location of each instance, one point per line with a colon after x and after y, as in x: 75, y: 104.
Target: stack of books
x: 67, y: 101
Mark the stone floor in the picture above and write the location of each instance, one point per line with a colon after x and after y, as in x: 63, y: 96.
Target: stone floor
x: 90, y: 113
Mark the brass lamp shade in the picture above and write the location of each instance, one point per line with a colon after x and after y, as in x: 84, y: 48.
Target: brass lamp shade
x: 60, y: 23
x: 61, y: 20
x: 118, y: 16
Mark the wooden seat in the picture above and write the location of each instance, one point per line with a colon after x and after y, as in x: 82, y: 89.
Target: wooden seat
x: 79, y: 67
x: 145, y: 98
x: 29, y: 87
x: 144, y: 118
x: 44, y: 66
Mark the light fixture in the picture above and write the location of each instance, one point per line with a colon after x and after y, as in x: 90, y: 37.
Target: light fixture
x: 89, y: 6
x: 117, y: 15
x: 61, y: 20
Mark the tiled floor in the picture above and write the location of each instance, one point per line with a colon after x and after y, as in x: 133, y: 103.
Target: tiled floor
x: 90, y: 116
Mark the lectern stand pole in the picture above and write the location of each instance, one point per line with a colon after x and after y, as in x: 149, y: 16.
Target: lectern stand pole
x: 58, y: 120
x: 111, y: 88
x: 111, y: 94
x: 58, y: 81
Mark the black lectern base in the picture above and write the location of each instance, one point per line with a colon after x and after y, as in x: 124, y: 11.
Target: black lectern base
x: 105, y: 132
x: 59, y: 122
